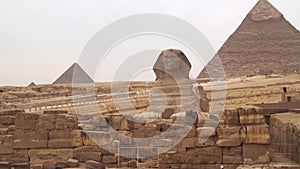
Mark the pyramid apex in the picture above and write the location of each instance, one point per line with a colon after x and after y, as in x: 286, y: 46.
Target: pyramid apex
x: 31, y: 84
x: 74, y: 65
x: 74, y: 74
x: 264, y: 10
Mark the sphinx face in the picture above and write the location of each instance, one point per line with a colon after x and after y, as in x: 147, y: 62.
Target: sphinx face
x: 171, y: 62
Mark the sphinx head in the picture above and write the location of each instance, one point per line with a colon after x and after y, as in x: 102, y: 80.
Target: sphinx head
x: 172, y: 64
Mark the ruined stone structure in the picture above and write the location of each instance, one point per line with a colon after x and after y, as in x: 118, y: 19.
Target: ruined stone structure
x: 54, y: 139
x: 242, y: 137
x: 285, y: 129
x: 260, y: 89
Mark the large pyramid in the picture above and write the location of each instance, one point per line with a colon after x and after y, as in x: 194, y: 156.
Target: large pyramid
x: 75, y: 74
x: 265, y: 43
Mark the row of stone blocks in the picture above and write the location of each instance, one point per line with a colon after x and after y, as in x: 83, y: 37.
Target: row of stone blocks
x: 46, y: 139
x: 70, y: 164
x: 242, y: 137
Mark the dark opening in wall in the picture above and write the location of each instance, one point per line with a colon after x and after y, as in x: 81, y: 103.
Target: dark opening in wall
x: 289, y: 99
x: 1, y: 91
x: 285, y: 90
x: 267, y: 119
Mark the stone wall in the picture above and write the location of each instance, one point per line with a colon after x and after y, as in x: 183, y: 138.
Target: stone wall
x: 55, y: 138
x: 242, y: 137
x: 285, y: 131
x: 257, y: 90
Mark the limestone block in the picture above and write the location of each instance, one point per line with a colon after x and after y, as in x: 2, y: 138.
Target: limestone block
x: 191, y: 166
x: 30, y: 139
x: 129, y: 164
x: 166, y: 143
x: 251, y: 115
x: 18, y: 156
x: 206, y: 131
x: 256, y: 154
x: 73, y: 163
x: 86, y: 153
x: 87, y: 141
x: 26, y: 121
x: 204, y: 102
x: 40, y: 156
x: 5, y: 165
x: 46, y: 122
x: 229, y: 136
x: 145, y: 132
x: 206, y: 141
x: 11, y: 130
x: 55, y: 112
x: 7, y: 120
x: 109, y: 159
x: 162, y: 126
x: 49, y: 165
x: 230, y: 117
x: 37, y: 166
x: 192, y: 132
x: 171, y: 158
x: 257, y: 134
x: 6, y: 144
x: 147, y: 115
x: 188, y: 142
x: 119, y: 122
x: 97, y: 138
x: 3, y: 131
x: 21, y: 165
x: 207, y: 155
x: 124, y: 105
x: 198, y: 166
x: 11, y: 112
x: 64, y: 121
x: 140, y: 103
x: 65, y: 139
x: 168, y: 113
x: 179, y: 150
x: 202, y: 118
x: 94, y: 164
x: 111, y: 165
x: 61, y: 165
x: 232, y: 155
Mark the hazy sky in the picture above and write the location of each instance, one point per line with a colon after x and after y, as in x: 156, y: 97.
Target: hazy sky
x: 40, y: 39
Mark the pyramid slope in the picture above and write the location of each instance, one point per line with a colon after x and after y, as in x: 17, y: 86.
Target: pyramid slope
x: 265, y: 43
x: 75, y: 74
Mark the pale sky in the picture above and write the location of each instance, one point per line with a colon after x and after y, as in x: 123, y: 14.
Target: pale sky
x: 40, y: 39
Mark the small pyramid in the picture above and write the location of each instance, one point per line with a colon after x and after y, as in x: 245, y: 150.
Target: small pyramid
x: 265, y: 43
x: 75, y: 74
x: 31, y: 84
